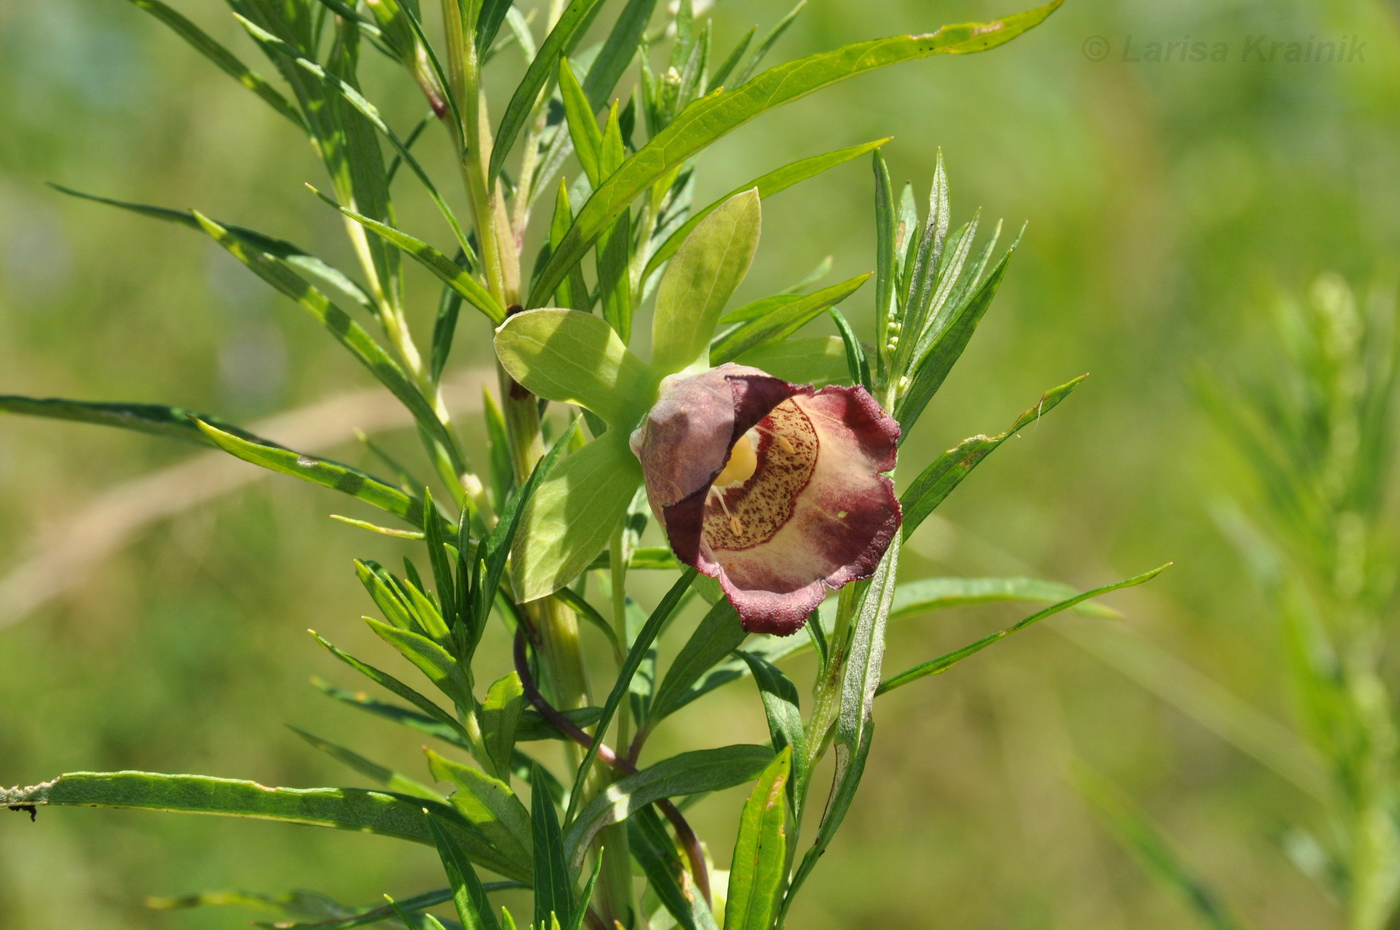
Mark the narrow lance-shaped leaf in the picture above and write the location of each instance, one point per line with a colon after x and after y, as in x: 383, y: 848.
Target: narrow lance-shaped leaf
x: 339, y: 808
x: 583, y: 125
x: 782, y: 708
x: 500, y: 720
x: 716, y: 636
x: 205, y: 44
x: 695, y: 772
x: 324, y: 472
x: 554, y: 882
x: 154, y: 419
x: 468, y: 895
x: 386, y: 777
x: 658, y: 619
x: 565, y: 34
x: 945, y: 662
x: 782, y: 322
x: 489, y: 805
x: 947, y: 471
x: 760, y: 851
x: 767, y: 185
x: 855, y: 722
x: 712, y: 117
x: 439, y: 665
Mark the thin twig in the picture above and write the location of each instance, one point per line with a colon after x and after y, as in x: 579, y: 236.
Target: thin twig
x: 684, y: 834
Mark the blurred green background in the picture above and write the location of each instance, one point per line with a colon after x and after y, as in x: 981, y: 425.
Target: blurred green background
x: 1167, y: 203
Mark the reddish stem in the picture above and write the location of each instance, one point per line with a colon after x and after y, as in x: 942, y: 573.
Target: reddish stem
x: 684, y: 834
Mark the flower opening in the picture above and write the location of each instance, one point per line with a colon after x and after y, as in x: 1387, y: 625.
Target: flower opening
x: 774, y: 489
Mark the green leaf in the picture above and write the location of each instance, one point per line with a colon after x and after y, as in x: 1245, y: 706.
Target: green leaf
x: 1143, y: 839
x: 569, y: 519
x: 688, y: 773
x: 948, y: 470
x: 576, y: 358
x: 203, y: 43
x: 155, y: 419
x: 709, y: 265
x: 385, y: 777
x: 918, y: 597
x: 493, y: 14
x: 784, y: 712
x: 617, y: 52
x: 636, y: 655
x: 303, y: 262
x: 411, y: 905
x: 324, y: 472
x: 768, y: 42
x: 338, y: 808
x: 928, y: 377
x: 716, y: 636
x: 583, y: 124
x: 781, y: 322
x: 422, y: 723
x: 554, y: 883
x: 389, y: 682
x: 473, y: 908
x: 719, y: 113
x: 767, y: 185
x: 561, y: 39
x: 655, y: 852
x: 855, y: 721
x: 886, y: 255
x: 346, y: 331
x: 858, y: 367
x: 945, y: 662
x: 489, y: 805
x: 500, y: 720
x: 449, y: 272
x: 816, y: 360
x: 760, y: 853
x: 431, y: 659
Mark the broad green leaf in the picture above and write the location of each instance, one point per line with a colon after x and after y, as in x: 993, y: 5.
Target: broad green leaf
x: 429, y: 658
x: 339, y: 808
x: 948, y: 470
x: 468, y: 895
x: 918, y: 597
x: 760, y: 852
x: 554, y: 883
x: 767, y: 185
x: 324, y: 472
x: 1142, y: 838
x: 816, y: 360
x: 205, y: 44
x: 385, y: 777
x: 389, y: 682
x: 855, y: 722
x: 945, y: 662
x: 719, y: 113
x: 716, y: 636
x: 576, y: 358
x: 781, y: 322
x: 641, y: 646
x: 449, y: 272
x: 489, y: 805
x: 697, y: 284
x: 155, y: 419
x: 561, y: 39
x: 500, y: 720
x: 784, y: 712
x: 569, y: 519
x: 688, y: 773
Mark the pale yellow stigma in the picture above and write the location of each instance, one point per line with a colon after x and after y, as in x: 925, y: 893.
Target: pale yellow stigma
x: 742, y: 463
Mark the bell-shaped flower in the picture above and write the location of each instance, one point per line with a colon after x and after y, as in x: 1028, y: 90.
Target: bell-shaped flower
x: 774, y: 489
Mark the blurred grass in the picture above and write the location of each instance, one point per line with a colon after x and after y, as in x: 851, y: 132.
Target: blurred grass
x: 1165, y: 203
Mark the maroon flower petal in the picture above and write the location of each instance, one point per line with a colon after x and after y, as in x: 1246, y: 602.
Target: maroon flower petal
x: 803, y: 509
